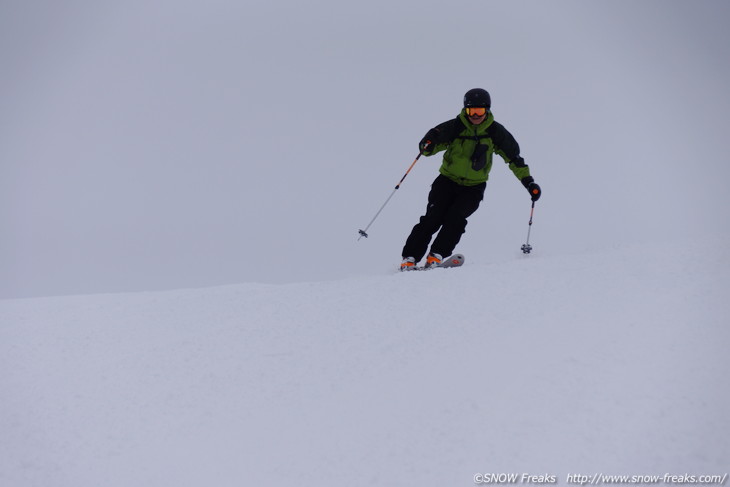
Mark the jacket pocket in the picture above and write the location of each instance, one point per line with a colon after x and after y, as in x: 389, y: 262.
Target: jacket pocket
x: 479, y: 157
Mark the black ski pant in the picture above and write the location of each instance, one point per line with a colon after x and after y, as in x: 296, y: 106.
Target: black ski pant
x: 449, y: 205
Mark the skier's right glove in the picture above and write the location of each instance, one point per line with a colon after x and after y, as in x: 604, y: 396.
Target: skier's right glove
x: 428, y: 142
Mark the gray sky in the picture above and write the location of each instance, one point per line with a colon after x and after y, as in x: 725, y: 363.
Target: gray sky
x: 162, y: 144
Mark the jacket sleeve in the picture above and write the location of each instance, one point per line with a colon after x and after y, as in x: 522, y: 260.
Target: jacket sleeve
x: 443, y: 134
x: 509, y: 150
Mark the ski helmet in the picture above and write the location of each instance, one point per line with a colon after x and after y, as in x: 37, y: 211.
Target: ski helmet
x: 477, y: 97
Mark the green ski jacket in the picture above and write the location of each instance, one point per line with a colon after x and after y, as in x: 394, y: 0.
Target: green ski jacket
x: 469, y: 149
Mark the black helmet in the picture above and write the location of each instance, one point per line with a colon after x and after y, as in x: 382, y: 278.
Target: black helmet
x: 477, y: 97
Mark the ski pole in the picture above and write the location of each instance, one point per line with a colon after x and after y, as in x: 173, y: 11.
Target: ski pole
x: 527, y: 248
x: 363, y: 233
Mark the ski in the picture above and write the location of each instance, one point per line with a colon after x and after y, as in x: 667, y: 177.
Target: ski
x: 456, y: 260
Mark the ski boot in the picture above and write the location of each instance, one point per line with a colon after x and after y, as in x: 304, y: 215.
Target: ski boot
x: 433, y: 260
x: 408, y: 264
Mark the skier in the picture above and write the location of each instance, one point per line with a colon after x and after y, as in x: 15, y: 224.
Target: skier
x: 469, y: 140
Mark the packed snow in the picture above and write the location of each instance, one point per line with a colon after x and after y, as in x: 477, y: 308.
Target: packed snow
x: 612, y: 361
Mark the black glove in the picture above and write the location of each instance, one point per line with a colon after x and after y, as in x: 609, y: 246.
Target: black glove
x: 535, y: 191
x: 428, y: 142
x: 532, y: 187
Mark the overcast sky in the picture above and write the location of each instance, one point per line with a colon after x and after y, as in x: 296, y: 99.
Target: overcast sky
x: 162, y: 144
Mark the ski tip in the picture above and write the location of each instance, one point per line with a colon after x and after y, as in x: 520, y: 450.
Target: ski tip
x: 455, y: 260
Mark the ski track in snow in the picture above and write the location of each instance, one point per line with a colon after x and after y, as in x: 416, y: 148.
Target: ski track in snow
x: 612, y: 362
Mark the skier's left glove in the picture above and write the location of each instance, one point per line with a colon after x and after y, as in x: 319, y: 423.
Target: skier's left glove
x: 532, y: 187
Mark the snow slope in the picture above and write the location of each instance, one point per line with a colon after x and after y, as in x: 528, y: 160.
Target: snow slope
x: 610, y: 362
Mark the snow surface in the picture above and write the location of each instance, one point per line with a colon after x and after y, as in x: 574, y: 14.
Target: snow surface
x: 613, y: 361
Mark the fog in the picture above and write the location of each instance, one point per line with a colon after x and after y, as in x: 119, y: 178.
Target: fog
x: 167, y: 144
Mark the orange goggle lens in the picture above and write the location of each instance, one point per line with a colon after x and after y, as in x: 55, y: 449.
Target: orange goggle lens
x: 476, y: 111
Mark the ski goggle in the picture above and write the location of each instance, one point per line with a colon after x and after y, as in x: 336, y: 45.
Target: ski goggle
x: 476, y: 111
